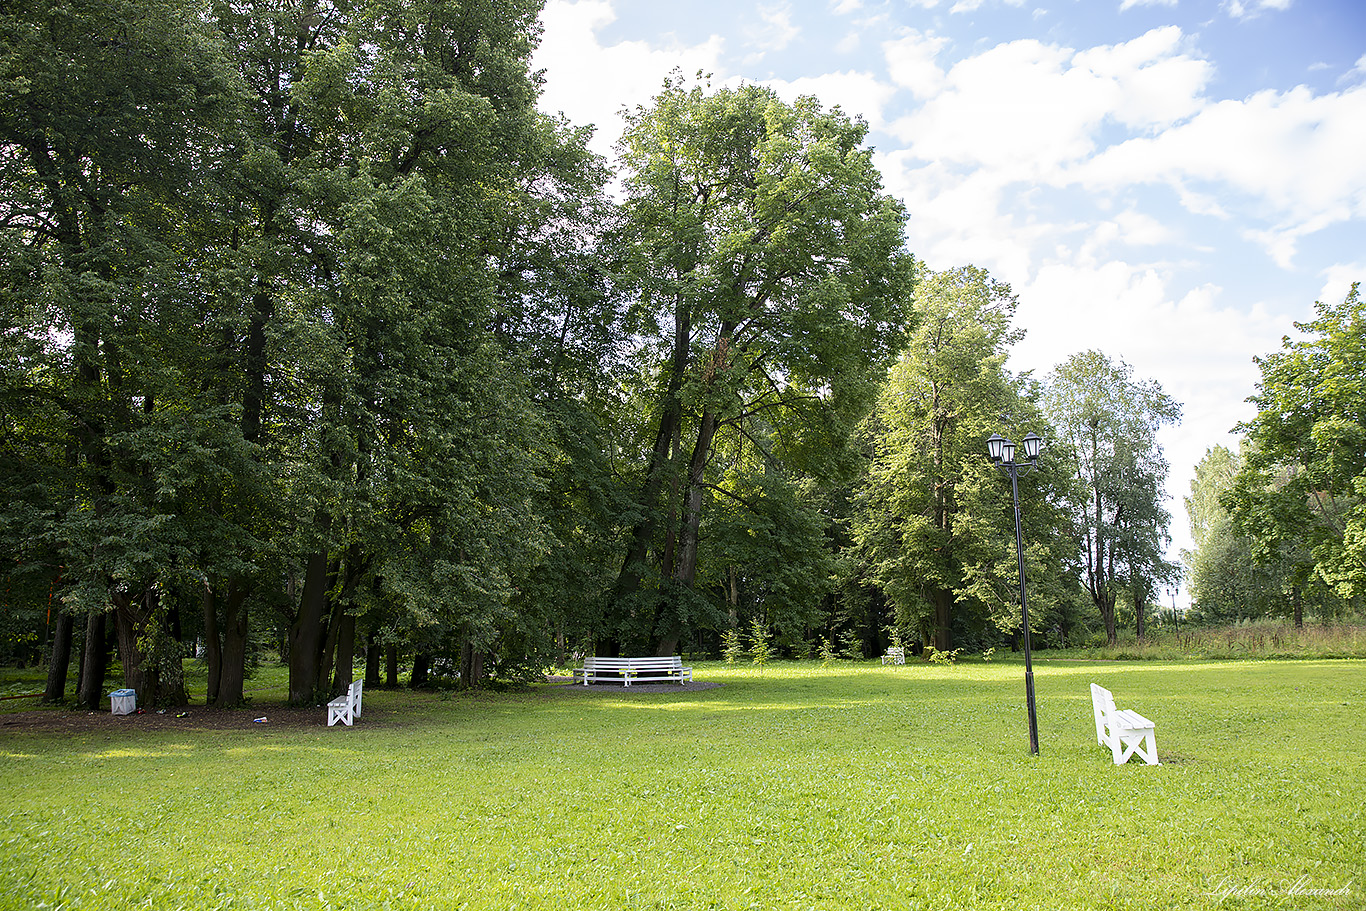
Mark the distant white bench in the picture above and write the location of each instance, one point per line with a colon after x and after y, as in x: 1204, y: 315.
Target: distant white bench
x: 628, y: 670
x: 1126, y: 732
x: 895, y: 654
x: 346, y: 707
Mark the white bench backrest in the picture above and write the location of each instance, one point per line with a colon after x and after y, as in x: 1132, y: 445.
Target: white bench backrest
x: 673, y: 663
x: 1103, y: 706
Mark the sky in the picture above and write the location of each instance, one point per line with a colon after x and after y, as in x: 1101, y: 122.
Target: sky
x: 1172, y: 182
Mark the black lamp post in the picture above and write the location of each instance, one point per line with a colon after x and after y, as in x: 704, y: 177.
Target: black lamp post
x: 1002, y: 452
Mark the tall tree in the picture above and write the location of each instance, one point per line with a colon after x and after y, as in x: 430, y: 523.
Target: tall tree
x: 933, y: 515
x: 1109, y: 420
x: 1226, y: 581
x: 771, y: 279
x: 404, y: 133
x: 1300, y: 495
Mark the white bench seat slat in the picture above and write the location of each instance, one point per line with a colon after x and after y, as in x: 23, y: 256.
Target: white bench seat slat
x: 1125, y: 732
x: 895, y: 654
x: 1128, y: 718
x: 626, y: 670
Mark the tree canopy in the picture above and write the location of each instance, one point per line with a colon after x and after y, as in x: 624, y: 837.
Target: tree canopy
x: 1298, y: 495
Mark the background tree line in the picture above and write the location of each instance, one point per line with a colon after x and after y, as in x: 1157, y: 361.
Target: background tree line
x: 317, y: 337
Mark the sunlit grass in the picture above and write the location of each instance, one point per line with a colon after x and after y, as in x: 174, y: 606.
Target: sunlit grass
x: 798, y: 786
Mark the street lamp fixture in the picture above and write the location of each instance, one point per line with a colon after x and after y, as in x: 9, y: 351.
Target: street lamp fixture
x: 1002, y: 453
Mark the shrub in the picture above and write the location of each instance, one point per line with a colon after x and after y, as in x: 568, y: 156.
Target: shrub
x: 731, y: 648
x: 759, y: 649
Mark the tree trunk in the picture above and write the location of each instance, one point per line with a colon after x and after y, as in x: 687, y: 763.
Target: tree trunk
x: 1140, y: 600
x: 733, y: 595
x: 60, y: 662
x: 329, y: 655
x: 150, y: 654
x: 471, y: 666
x: 391, y: 666
x: 231, y: 687
x: 422, y: 663
x: 1297, y: 606
x: 346, y: 653
x: 213, y: 647
x: 943, y: 611
x: 1105, y: 600
x: 670, y: 420
x: 129, y: 627
x: 685, y: 572
x: 306, y: 634
x: 372, y: 659
x: 1107, y: 614
x: 94, y: 662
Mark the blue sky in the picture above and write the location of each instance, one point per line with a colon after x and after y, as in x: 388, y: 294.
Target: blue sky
x: 1171, y: 182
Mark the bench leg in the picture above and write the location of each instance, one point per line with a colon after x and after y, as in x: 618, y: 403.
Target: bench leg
x: 1149, y: 754
x: 1142, y: 742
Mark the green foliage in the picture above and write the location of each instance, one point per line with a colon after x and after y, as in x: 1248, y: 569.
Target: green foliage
x: 294, y: 307
x: 1226, y: 581
x: 936, y: 656
x: 770, y: 540
x: 827, y: 653
x: 1258, y: 639
x: 1300, y: 494
x: 760, y: 650
x: 731, y: 647
x: 934, y: 523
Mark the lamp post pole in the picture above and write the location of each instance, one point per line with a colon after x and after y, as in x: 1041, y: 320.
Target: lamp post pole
x: 1002, y: 452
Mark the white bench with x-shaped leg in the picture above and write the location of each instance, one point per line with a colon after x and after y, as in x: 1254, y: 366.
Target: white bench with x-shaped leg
x: 1126, y: 732
x: 346, y: 707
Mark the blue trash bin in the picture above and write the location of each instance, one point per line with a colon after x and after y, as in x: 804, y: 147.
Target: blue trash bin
x: 123, y: 702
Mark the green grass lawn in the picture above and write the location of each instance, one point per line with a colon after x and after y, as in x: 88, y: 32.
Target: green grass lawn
x: 849, y: 786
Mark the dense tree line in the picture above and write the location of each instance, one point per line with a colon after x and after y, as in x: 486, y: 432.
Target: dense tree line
x: 318, y: 337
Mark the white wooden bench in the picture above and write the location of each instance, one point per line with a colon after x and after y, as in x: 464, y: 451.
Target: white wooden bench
x: 1126, y: 732
x: 628, y: 670
x: 346, y: 707
x: 895, y: 654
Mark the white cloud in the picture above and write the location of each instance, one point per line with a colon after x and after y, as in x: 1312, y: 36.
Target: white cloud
x: 958, y: 217
x: 1357, y: 71
x: 1127, y: 4
x: 1153, y: 83
x: 849, y: 43
x: 858, y: 94
x: 1240, y: 10
x: 1338, y: 280
x: 845, y: 7
x: 971, y: 6
x: 1129, y: 228
x: 591, y: 83
x: 1028, y: 110
x: 1295, y: 155
x: 911, y: 62
x: 774, y: 31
